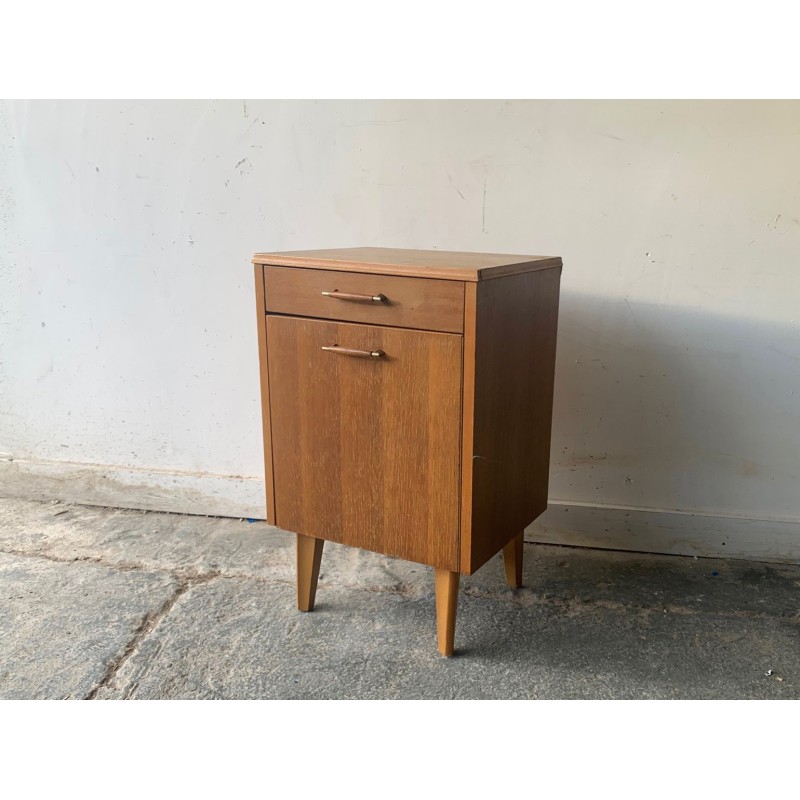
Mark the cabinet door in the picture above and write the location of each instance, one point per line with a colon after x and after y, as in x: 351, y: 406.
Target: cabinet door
x: 366, y: 450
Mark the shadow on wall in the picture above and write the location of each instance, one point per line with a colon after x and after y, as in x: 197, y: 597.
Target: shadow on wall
x: 666, y: 407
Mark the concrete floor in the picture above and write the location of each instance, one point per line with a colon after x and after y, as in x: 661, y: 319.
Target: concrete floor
x: 104, y: 603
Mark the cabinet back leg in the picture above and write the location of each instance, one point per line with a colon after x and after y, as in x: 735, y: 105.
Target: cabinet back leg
x: 446, y: 602
x: 309, y: 557
x: 512, y: 557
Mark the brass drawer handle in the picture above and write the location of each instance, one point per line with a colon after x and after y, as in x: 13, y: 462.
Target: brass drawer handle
x: 346, y: 351
x: 375, y: 298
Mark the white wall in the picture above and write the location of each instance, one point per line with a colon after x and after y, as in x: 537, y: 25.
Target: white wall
x: 127, y: 330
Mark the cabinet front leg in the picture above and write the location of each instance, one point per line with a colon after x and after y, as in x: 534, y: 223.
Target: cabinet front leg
x: 446, y: 602
x: 309, y: 557
x: 512, y: 557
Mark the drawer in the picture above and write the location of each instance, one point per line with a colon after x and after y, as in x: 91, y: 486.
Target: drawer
x: 422, y: 303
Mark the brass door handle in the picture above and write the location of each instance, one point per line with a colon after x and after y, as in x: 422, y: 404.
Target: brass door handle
x: 375, y: 298
x: 346, y: 351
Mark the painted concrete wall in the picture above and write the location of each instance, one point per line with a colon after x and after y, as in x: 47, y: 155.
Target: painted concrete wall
x: 127, y: 332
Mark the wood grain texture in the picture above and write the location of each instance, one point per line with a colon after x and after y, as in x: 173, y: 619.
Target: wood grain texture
x: 467, y: 423
x: 367, y: 451
x: 432, y: 305
x: 515, y: 345
x: 309, y: 559
x: 446, y: 584
x: 261, y: 321
x: 512, y: 560
x: 443, y: 264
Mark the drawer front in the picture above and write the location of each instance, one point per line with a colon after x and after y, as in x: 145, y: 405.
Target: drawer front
x: 366, y: 436
x: 426, y: 304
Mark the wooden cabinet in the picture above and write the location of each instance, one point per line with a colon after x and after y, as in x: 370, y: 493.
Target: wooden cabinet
x: 407, y: 404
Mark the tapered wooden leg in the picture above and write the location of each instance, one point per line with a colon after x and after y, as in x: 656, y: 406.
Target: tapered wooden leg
x: 512, y: 556
x: 309, y: 557
x: 446, y: 602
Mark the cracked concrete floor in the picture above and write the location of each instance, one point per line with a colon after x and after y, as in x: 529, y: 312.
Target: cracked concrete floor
x: 105, y: 603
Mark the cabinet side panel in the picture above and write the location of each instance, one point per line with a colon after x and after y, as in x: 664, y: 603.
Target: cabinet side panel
x: 261, y: 311
x: 516, y: 324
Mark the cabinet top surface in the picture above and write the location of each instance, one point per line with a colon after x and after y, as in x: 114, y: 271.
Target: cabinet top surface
x: 443, y: 264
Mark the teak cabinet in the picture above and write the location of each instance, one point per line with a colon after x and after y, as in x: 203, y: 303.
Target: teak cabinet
x: 407, y: 404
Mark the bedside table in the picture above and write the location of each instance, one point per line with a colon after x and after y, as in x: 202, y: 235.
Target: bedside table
x: 407, y: 402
